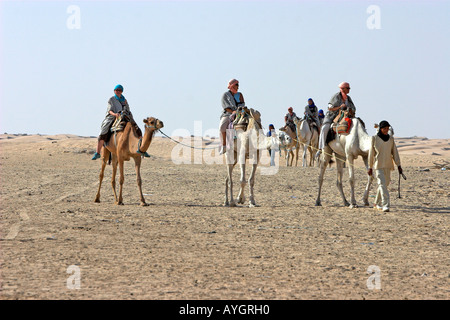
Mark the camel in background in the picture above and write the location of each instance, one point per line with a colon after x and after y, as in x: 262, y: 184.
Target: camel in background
x: 123, y: 146
x: 290, y: 145
x: 308, y: 138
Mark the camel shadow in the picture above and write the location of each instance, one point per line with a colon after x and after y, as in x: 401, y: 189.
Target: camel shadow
x: 425, y: 209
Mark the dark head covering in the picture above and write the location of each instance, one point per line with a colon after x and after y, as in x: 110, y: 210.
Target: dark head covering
x: 383, y: 124
x: 321, y: 115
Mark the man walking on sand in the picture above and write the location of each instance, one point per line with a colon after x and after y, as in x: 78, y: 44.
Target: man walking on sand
x: 381, y: 155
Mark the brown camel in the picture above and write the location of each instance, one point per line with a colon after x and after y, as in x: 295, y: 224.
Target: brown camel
x: 123, y: 146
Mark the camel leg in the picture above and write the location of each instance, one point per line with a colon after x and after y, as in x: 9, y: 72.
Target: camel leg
x: 323, y: 165
x: 251, y: 184
x: 113, y: 178
x: 241, y: 198
x: 351, y: 174
x: 121, y: 180
x: 229, y: 182
x: 296, y: 153
x: 340, y: 170
x: 226, y: 202
x: 305, y: 149
x: 137, y: 166
x: 368, y: 185
x: 102, y: 172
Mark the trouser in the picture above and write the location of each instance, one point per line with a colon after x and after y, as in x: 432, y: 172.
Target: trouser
x: 323, y: 134
x: 383, y: 179
x: 223, y: 126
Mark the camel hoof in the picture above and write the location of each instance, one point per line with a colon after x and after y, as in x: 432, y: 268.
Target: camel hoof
x: 97, y: 200
x: 232, y: 204
x: 253, y: 205
x: 353, y: 206
x: 318, y: 203
x: 144, y: 204
x: 346, y: 204
x: 119, y: 203
x: 226, y: 204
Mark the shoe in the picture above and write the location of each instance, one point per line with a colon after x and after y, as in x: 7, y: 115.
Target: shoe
x: 96, y: 156
x: 144, y: 154
x: 378, y: 207
x: 385, y: 209
x: 222, y: 149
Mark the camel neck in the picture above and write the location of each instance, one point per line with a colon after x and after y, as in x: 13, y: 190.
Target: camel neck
x: 147, y: 139
x: 364, y: 138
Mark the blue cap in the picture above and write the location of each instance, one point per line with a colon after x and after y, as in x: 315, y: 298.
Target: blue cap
x: 119, y: 86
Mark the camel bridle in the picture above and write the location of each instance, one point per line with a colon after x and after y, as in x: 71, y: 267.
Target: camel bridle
x: 154, y: 126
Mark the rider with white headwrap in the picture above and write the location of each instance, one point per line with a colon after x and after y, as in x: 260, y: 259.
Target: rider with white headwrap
x: 340, y: 100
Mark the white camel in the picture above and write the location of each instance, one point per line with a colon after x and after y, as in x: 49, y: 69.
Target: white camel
x: 308, y: 139
x: 246, y: 146
x: 347, y: 148
x: 290, y: 145
x: 284, y: 142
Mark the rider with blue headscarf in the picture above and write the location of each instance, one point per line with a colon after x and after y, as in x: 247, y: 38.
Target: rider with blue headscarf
x: 321, y: 116
x: 116, y: 105
x: 311, y: 113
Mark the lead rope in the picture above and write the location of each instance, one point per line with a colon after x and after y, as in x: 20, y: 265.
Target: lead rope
x: 183, y: 143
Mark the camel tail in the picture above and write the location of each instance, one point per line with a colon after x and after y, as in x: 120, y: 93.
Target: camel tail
x: 110, y: 158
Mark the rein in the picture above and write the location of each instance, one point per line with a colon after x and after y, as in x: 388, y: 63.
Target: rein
x: 183, y: 143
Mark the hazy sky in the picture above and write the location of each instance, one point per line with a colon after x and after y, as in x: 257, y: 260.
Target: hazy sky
x: 60, y: 61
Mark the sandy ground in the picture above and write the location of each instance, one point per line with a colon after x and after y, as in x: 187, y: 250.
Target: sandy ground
x: 186, y: 245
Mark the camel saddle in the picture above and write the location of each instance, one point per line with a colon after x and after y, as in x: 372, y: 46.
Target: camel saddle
x: 342, y: 123
x: 120, y: 123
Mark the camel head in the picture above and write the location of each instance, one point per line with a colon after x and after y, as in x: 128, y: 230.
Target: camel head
x: 285, y: 139
x: 153, y: 123
x: 255, y: 119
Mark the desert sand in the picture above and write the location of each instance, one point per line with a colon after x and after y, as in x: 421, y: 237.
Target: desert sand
x: 187, y: 245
